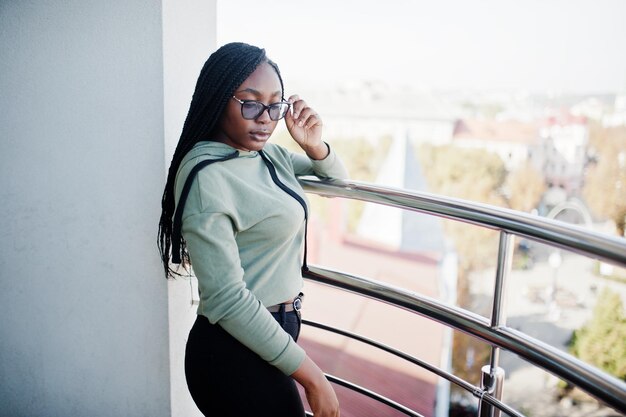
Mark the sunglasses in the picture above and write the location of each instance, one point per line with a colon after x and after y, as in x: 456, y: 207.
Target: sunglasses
x: 251, y: 109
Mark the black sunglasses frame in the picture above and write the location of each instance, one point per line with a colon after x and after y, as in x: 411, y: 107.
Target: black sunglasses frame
x: 263, y: 107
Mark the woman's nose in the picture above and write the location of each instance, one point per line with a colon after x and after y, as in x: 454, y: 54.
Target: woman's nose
x: 264, y: 117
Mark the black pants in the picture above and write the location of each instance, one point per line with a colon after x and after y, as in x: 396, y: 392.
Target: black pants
x: 226, y: 378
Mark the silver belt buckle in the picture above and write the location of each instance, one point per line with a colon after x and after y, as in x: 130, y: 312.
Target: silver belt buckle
x: 297, y: 302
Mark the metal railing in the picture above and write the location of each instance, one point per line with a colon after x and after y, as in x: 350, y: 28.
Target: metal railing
x: 495, y: 332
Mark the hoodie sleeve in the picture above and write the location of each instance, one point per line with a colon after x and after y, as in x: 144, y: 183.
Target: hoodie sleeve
x: 330, y: 167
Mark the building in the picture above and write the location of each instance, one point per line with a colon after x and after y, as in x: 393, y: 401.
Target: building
x: 562, y: 153
x: 511, y: 140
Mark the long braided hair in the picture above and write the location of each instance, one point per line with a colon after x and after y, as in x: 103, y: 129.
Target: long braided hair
x: 225, y: 70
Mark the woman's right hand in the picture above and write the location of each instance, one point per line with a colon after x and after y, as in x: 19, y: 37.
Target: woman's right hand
x: 319, y: 392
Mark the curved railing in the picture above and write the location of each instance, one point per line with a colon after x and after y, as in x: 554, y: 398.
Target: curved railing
x: 509, y: 223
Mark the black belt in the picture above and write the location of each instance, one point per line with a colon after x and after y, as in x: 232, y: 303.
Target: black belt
x: 295, y: 305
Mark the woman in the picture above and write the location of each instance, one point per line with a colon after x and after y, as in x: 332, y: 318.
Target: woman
x: 242, y: 214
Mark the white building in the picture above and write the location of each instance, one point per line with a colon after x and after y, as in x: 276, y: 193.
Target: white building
x: 562, y: 153
x: 618, y: 116
x: 511, y: 140
x: 402, y: 230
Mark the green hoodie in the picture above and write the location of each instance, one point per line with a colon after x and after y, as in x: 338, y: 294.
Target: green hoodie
x: 244, y: 236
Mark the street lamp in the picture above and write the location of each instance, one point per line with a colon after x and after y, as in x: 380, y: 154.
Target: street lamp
x: 555, y: 261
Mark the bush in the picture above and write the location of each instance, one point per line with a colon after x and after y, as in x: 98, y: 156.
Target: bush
x: 600, y: 342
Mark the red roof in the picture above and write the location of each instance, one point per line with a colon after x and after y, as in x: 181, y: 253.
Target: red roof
x: 492, y: 130
x: 564, y: 119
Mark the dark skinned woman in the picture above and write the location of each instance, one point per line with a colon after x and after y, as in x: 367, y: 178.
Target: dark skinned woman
x: 234, y: 210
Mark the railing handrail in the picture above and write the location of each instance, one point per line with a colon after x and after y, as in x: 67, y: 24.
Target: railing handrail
x: 571, y: 237
x: 595, y: 382
x: 564, y: 235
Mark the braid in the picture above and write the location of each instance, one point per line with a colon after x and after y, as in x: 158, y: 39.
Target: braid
x: 224, y: 71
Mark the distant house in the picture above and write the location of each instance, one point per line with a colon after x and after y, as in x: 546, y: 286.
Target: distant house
x: 512, y: 140
x: 556, y: 146
x: 562, y: 153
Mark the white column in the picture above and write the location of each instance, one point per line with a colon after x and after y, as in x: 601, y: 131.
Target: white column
x: 84, y: 328
x: 189, y: 32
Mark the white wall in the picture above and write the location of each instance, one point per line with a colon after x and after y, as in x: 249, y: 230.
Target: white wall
x: 188, y: 40
x: 84, y: 305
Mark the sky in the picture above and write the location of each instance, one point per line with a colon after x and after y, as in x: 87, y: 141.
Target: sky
x: 531, y: 46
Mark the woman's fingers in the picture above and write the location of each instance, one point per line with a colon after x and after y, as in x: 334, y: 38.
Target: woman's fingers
x: 304, y: 124
x: 308, y: 118
x: 305, y: 116
x: 301, y: 110
x: 298, y: 107
x: 293, y: 99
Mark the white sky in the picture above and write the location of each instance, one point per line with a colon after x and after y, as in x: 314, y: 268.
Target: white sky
x: 556, y: 46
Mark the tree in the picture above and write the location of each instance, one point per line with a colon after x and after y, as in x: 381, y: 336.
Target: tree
x: 601, y: 342
x: 470, y: 174
x: 525, y: 186
x: 605, y: 179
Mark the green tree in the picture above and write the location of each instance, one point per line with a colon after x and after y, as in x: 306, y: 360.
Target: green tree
x: 602, y: 341
x: 605, y: 180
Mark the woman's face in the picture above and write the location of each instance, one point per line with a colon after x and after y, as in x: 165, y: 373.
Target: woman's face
x: 250, y: 135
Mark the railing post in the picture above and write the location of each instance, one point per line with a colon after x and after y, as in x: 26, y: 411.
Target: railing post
x: 491, y: 382
x: 492, y: 377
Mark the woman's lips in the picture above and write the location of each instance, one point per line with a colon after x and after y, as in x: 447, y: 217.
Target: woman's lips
x: 261, y: 135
